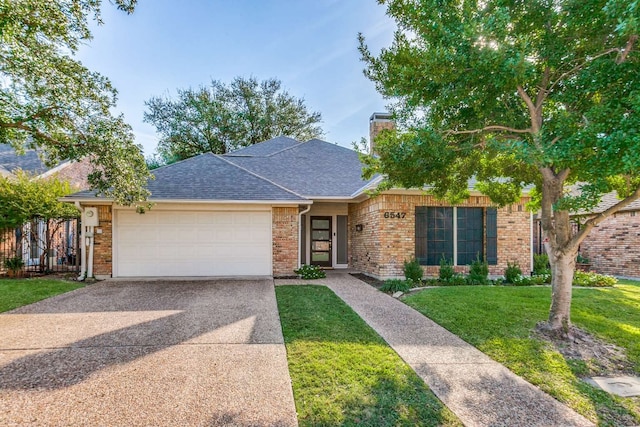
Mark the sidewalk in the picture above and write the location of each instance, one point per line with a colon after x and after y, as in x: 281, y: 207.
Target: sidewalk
x: 480, y: 391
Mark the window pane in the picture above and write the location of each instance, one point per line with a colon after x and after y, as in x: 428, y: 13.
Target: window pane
x: 319, y: 256
x: 320, y: 235
x: 320, y: 246
x: 439, y: 239
x: 320, y: 224
x: 470, y: 235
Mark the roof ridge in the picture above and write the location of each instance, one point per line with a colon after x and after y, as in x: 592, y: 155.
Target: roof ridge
x: 260, y: 177
x: 182, y: 161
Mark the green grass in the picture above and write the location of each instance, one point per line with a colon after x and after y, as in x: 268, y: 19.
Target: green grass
x: 15, y: 293
x: 343, y: 373
x: 499, y: 322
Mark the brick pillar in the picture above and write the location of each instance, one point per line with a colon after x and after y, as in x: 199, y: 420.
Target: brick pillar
x: 103, y: 244
x: 285, y: 240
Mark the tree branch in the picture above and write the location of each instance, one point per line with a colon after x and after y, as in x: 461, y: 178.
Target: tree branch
x: 597, y: 219
x: 490, y: 128
x: 627, y: 49
x: 533, y: 111
x: 542, y: 89
x: 581, y: 65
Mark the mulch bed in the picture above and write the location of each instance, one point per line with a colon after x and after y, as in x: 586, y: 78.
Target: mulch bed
x: 368, y: 279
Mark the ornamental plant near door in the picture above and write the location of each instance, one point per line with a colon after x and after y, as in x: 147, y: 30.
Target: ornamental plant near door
x: 310, y: 272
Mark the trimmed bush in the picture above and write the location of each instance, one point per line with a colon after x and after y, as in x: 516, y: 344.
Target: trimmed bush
x: 478, y: 273
x: 446, y: 269
x: 540, y: 264
x: 413, y: 271
x: 310, y: 272
x: 395, y: 285
x: 512, y: 272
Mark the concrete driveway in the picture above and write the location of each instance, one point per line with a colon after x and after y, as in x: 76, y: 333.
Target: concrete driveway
x: 147, y: 353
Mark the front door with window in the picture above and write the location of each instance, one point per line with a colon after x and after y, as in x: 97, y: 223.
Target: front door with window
x: 321, y: 241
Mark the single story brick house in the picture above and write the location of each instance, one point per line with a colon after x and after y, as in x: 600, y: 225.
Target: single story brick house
x: 267, y: 208
x: 613, y: 247
x: 29, y: 241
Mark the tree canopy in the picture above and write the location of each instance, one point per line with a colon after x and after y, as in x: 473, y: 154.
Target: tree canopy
x: 514, y: 93
x: 223, y: 117
x: 24, y: 198
x: 50, y: 101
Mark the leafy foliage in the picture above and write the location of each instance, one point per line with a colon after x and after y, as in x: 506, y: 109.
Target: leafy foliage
x: 512, y: 272
x: 396, y: 285
x: 515, y: 93
x: 478, y: 273
x: 413, y: 271
x: 25, y: 198
x: 13, y: 263
x: 594, y: 280
x: 446, y: 269
x: 310, y: 272
x: 540, y: 263
x: 49, y: 100
x: 222, y: 117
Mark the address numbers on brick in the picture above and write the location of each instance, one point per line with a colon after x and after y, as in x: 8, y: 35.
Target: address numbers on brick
x: 395, y: 215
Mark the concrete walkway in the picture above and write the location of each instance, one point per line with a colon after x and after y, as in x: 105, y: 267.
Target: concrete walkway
x: 156, y: 353
x: 480, y: 391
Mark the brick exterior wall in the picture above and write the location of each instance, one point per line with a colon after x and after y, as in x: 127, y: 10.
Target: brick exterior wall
x: 383, y: 245
x: 614, y: 246
x: 102, y: 246
x: 285, y: 240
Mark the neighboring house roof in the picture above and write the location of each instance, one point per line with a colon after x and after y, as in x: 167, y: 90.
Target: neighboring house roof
x: 608, y: 200
x: 209, y: 177
x: 76, y: 173
x: 313, y: 169
x: 28, y: 162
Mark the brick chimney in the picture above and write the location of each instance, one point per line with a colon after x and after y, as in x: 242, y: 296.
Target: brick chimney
x: 378, y: 122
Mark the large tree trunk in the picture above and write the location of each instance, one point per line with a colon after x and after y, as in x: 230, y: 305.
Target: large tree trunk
x: 562, y: 251
x: 562, y: 269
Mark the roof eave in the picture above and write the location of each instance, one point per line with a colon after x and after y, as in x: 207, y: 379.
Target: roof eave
x: 98, y: 200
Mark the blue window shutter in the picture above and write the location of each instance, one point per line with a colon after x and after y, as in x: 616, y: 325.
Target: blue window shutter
x: 492, y: 236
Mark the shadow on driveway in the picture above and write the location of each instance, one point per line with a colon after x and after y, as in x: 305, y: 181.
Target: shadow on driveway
x: 147, y: 353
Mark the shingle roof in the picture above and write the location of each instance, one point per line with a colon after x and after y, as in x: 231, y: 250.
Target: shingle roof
x: 209, y: 177
x: 313, y: 169
x: 29, y: 161
x: 608, y: 200
x: 265, y: 148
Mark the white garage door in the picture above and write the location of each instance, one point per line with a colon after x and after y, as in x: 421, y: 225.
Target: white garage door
x: 194, y: 243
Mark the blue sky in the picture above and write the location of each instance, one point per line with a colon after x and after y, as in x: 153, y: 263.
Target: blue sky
x: 311, y: 46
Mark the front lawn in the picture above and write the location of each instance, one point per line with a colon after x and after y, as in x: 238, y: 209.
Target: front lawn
x: 499, y: 321
x: 343, y: 373
x: 15, y: 293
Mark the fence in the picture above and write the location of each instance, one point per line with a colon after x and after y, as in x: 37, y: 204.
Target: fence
x: 43, y: 246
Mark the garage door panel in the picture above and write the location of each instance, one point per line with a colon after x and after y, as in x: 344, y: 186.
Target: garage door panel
x: 199, y: 243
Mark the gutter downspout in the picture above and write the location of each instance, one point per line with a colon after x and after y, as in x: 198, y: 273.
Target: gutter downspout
x: 83, y: 250
x: 90, y: 244
x: 300, y: 248
x: 531, y: 249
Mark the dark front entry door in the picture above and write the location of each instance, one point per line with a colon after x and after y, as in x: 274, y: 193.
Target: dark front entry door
x: 321, y: 241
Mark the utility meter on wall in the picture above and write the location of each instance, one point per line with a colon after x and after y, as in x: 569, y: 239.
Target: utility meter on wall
x: 91, y: 217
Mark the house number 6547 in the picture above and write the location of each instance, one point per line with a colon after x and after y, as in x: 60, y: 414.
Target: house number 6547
x: 397, y: 215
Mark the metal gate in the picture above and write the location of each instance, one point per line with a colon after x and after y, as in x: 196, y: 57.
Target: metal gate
x: 42, y: 246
